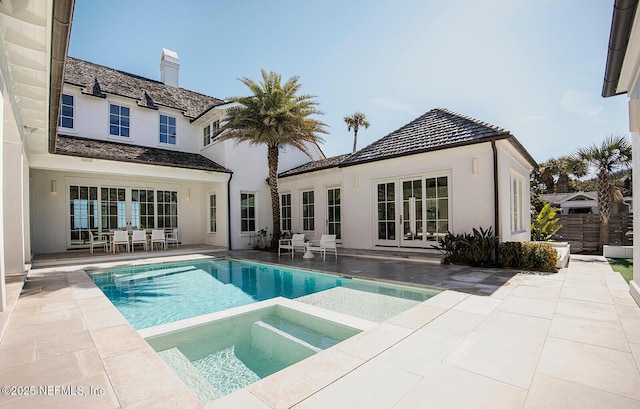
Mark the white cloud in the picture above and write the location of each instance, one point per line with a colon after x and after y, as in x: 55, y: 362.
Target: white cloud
x: 395, y: 105
x: 581, y: 104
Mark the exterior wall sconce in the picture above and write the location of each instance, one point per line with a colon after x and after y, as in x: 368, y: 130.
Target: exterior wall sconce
x: 356, y: 182
x: 634, y: 115
x: 474, y: 166
x: 54, y: 187
x: 188, y: 194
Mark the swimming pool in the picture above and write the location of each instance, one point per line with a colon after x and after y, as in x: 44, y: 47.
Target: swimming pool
x: 157, y: 294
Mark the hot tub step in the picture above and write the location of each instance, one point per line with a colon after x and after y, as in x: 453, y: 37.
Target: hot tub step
x: 189, y: 375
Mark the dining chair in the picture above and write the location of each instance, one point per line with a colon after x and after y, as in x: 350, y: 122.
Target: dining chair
x: 98, y: 239
x: 120, y: 237
x: 138, y: 237
x: 172, y: 237
x: 157, y: 237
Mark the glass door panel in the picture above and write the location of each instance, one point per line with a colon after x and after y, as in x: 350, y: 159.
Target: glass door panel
x: 333, y: 212
x: 386, y: 214
x: 412, y: 212
x: 437, y: 205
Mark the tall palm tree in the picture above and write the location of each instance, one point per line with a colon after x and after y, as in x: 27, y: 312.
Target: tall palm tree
x: 276, y: 116
x: 612, y: 155
x: 354, y: 122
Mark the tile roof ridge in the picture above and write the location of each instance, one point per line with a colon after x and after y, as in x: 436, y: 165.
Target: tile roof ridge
x: 139, y: 77
x: 472, y: 119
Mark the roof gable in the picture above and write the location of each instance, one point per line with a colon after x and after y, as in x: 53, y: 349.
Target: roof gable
x: 98, y: 80
x: 435, y: 130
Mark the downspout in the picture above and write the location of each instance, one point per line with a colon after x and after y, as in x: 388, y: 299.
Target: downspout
x: 229, y: 209
x: 496, y: 213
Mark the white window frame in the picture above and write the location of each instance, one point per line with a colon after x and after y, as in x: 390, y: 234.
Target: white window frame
x: 312, y: 206
x: 282, y: 207
x: 175, y: 137
x: 213, y: 213
x: 255, y: 214
x: 516, y: 203
x: 73, y: 113
x: 119, y: 136
x: 210, y: 132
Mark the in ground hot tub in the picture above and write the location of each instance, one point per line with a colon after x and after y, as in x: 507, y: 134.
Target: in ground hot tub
x: 217, y: 357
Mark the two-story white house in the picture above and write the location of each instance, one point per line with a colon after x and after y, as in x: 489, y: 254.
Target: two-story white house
x: 132, y: 152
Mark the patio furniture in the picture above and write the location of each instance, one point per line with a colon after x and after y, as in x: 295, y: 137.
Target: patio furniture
x: 120, y: 237
x: 98, y: 239
x: 327, y: 242
x: 295, y: 242
x: 138, y: 237
x: 172, y: 237
x: 157, y: 237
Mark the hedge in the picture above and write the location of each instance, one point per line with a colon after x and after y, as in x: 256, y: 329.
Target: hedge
x: 535, y: 256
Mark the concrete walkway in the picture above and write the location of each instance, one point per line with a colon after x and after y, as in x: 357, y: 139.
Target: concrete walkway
x: 496, y: 339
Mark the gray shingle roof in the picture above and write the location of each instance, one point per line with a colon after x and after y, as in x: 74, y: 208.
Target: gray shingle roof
x: 122, y: 152
x: 437, y: 129
x: 98, y: 80
x: 315, y: 165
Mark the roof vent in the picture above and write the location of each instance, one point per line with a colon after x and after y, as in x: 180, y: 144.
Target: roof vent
x: 169, y: 67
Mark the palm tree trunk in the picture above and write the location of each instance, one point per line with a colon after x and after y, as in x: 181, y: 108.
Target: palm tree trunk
x: 604, y: 207
x: 272, y: 160
x: 355, y: 139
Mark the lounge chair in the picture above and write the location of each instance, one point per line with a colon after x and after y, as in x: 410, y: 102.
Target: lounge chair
x: 295, y: 242
x: 98, y: 239
x: 327, y: 242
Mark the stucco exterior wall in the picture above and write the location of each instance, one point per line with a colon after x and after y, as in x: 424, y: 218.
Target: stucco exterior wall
x: 91, y: 120
x: 510, y: 162
x: 470, y: 194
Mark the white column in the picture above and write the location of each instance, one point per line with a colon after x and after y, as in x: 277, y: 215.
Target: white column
x: 3, y: 294
x: 13, y: 208
x: 634, y: 285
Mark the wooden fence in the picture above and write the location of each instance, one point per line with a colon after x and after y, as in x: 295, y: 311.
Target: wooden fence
x: 582, y: 231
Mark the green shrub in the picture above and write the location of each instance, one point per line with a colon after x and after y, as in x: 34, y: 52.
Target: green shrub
x: 475, y: 249
x: 527, y: 255
x: 546, y: 224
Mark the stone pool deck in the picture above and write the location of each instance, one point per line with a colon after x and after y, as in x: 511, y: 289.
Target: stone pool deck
x: 493, y: 339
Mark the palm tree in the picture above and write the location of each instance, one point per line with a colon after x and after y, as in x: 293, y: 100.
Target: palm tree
x: 275, y: 116
x: 354, y: 122
x: 554, y: 175
x: 612, y: 155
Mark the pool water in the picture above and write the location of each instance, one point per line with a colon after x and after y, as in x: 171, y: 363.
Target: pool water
x: 157, y: 294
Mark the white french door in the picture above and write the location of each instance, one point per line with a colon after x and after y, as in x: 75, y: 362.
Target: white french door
x: 412, y: 212
x: 333, y: 223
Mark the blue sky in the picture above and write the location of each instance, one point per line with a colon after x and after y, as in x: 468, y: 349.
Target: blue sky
x: 534, y: 67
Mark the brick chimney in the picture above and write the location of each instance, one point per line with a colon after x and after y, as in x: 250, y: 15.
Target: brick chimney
x: 169, y: 67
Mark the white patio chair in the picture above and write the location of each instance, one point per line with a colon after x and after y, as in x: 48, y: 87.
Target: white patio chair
x: 120, y: 237
x: 157, y: 237
x: 98, y: 240
x: 295, y: 242
x: 138, y: 237
x: 327, y: 242
x: 172, y: 237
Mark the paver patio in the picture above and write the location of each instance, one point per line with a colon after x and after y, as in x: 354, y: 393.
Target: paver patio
x: 495, y: 339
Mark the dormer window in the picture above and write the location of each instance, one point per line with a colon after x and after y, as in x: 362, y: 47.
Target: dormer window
x: 119, y: 117
x: 167, y: 129
x: 210, y: 132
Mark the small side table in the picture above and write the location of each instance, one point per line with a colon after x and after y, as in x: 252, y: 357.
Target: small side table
x: 307, y: 252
